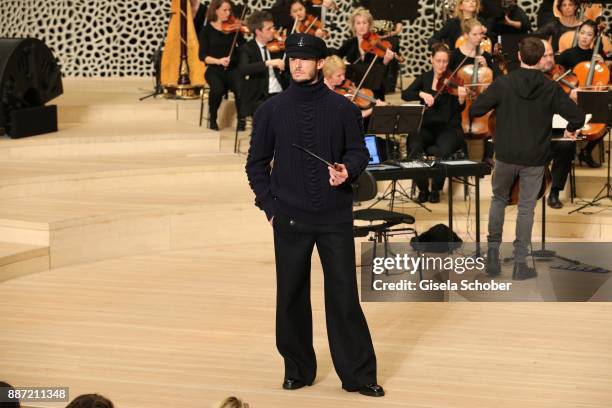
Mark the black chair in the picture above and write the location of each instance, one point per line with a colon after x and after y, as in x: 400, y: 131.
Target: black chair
x: 380, y: 222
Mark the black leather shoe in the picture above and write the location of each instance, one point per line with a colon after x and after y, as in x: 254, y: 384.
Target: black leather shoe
x: 289, y: 384
x: 212, y: 124
x: 422, y: 197
x: 372, y: 390
x: 493, y: 262
x: 553, y: 201
x: 434, y: 196
x: 241, y: 126
x: 522, y: 271
x: 586, y: 157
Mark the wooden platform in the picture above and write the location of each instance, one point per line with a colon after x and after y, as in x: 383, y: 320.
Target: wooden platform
x: 134, y: 264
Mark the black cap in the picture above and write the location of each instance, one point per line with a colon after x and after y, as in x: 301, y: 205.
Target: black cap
x: 300, y: 45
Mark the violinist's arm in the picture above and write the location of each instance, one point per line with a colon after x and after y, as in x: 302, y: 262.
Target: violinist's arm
x: 412, y: 92
x: 248, y: 65
x: 486, y: 100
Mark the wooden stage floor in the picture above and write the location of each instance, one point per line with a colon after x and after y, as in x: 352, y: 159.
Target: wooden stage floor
x: 159, y: 292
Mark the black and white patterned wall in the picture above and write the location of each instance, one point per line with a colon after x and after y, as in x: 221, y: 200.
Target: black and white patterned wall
x: 118, y: 37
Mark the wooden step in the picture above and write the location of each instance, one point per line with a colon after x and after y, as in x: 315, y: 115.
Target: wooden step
x: 34, y: 177
x: 86, y: 139
x: 21, y: 259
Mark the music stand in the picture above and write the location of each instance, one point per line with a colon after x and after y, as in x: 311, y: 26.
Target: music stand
x: 599, y: 104
x: 391, y: 121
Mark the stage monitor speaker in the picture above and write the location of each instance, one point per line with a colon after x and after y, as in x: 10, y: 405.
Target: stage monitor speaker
x: 29, y: 78
x: 33, y: 121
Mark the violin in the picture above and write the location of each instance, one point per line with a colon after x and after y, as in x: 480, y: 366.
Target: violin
x: 310, y: 25
x: 364, y: 98
x: 449, y: 82
x: 277, y: 44
x: 372, y: 43
x: 565, y: 78
x: 233, y: 25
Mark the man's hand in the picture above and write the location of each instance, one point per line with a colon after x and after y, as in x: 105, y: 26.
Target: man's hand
x: 569, y: 135
x: 276, y: 63
x: 574, y: 95
x: 337, y: 174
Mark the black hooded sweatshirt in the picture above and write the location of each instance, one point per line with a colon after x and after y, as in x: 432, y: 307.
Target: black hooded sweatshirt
x: 525, y: 102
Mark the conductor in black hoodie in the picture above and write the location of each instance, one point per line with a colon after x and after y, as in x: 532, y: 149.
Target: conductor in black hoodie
x: 525, y: 102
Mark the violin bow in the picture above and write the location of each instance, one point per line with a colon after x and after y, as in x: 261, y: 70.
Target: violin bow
x: 451, y: 75
x: 244, y: 9
x: 364, y: 78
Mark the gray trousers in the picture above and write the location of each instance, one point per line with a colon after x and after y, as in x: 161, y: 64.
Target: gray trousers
x: 530, y: 184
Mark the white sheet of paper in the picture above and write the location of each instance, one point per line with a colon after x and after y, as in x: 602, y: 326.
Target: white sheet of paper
x: 457, y: 162
x: 559, y: 123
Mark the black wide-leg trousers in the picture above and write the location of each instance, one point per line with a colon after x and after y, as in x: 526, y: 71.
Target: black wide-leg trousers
x: 347, y: 330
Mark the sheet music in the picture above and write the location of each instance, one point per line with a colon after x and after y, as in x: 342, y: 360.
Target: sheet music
x: 559, y: 123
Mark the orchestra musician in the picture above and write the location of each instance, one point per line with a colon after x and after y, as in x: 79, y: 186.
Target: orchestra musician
x: 563, y: 151
x: 572, y: 57
x: 451, y: 31
x: 441, y: 134
x: 298, y: 11
x: 334, y: 70
x: 221, y: 71
x: 474, y: 31
x: 361, y: 23
x: 525, y: 102
x: 568, y: 21
x: 263, y: 72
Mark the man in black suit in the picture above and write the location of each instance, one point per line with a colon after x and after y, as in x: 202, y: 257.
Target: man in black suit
x: 263, y: 72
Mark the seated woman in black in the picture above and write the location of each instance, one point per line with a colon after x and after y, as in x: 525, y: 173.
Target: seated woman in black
x: 441, y: 133
x: 559, y: 26
x: 361, y: 22
x: 572, y: 57
x: 474, y: 32
x: 221, y: 68
x: 451, y: 30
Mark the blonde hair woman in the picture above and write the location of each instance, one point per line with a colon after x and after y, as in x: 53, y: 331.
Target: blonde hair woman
x: 451, y: 31
x: 361, y: 24
x: 334, y: 70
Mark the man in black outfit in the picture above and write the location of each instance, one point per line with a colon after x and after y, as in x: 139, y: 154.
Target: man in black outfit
x: 263, y: 72
x: 563, y: 151
x: 525, y: 102
x: 310, y: 204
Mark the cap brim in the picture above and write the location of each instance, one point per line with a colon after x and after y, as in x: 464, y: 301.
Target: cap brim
x: 304, y: 55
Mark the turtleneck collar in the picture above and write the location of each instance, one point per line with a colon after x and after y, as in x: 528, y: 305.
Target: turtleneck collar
x: 308, y: 92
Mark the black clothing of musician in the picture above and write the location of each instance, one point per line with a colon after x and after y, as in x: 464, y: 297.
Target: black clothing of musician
x: 440, y: 135
x: 215, y: 45
x: 310, y: 204
x: 451, y: 31
x: 554, y: 29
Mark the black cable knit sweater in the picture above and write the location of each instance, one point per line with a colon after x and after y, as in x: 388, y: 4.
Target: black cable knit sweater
x: 297, y: 185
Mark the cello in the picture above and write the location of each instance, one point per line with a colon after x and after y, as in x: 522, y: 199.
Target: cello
x: 182, y: 72
x: 476, y: 79
x: 593, y: 75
